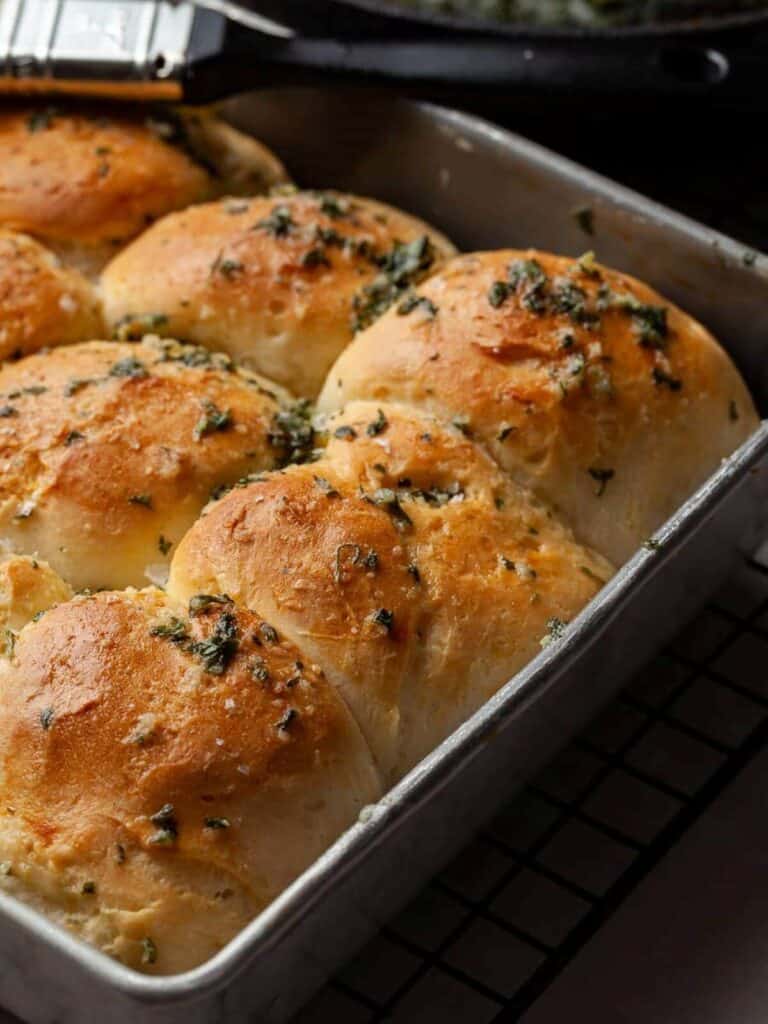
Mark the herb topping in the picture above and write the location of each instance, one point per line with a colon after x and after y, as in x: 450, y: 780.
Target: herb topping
x: 128, y: 367
x: 212, y: 420
x: 555, y: 631
x: 603, y: 477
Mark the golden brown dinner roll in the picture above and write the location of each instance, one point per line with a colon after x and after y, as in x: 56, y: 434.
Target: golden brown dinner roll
x: 585, y: 384
x: 86, y: 181
x: 165, y: 773
x: 278, y: 283
x: 42, y: 303
x: 405, y: 563
x: 27, y: 589
x: 108, y: 452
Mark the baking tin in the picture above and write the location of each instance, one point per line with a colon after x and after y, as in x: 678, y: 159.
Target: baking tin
x: 486, y: 188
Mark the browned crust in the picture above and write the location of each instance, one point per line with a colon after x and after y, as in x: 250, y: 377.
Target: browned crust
x: 272, y: 281
x: 105, y: 448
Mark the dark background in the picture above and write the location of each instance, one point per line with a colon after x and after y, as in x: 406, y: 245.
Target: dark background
x: 709, y: 163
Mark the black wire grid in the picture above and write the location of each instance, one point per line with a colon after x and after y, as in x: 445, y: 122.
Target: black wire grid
x: 485, y: 939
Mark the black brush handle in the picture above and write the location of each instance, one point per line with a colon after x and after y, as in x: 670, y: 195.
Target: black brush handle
x: 678, y: 68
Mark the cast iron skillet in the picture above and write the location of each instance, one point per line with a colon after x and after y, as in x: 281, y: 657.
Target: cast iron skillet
x: 706, y: 18
x: 719, y: 57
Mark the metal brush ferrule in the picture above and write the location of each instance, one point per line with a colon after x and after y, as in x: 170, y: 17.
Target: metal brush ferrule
x: 114, y: 48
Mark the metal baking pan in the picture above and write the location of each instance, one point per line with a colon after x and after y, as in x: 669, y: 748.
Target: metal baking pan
x: 486, y: 188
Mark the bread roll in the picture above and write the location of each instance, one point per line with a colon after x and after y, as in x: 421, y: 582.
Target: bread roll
x: 279, y: 284
x: 41, y: 303
x: 586, y: 385
x: 108, y: 452
x: 27, y: 589
x: 86, y: 181
x: 405, y: 563
x: 164, y: 775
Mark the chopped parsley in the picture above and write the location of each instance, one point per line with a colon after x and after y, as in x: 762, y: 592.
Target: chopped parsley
x: 403, y: 266
x: 345, y: 433
x: 383, y: 617
x: 555, y: 631
x: 438, y: 496
x: 47, y: 716
x: 174, y: 630
x: 587, y: 264
x: 164, y: 545
x: 412, y: 302
x: 368, y: 562
x: 651, y: 325
x: 527, y: 278
x: 269, y: 633
x: 129, y: 367
x: 378, y: 426
x: 141, y: 499
x: 259, y: 670
x: 650, y: 322
x: 6, y: 411
x: 195, y: 356
x: 585, y: 218
x: 413, y: 570
x: 212, y: 420
x: 201, y: 602
x: 568, y: 299
x: 662, y: 378
x: 326, y: 487
x: 591, y: 575
x: 287, y: 718
x: 148, y: 951
x: 334, y: 207
x: 75, y: 384
x: 226, y: 267
x: 167, y: 826
x: 499, y: 293
x: 387, y: 499
x: 316, y: 257
x: 292, y: 432
x: 461, y: 422
x: 217, y: 824
x: 72, y: 436
x: 279, y: 223
x: 133, y: 327
x: 217, y: 651
x: 603, y: 478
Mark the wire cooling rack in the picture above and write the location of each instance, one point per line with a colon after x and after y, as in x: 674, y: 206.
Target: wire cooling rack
x: 484, y: 940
